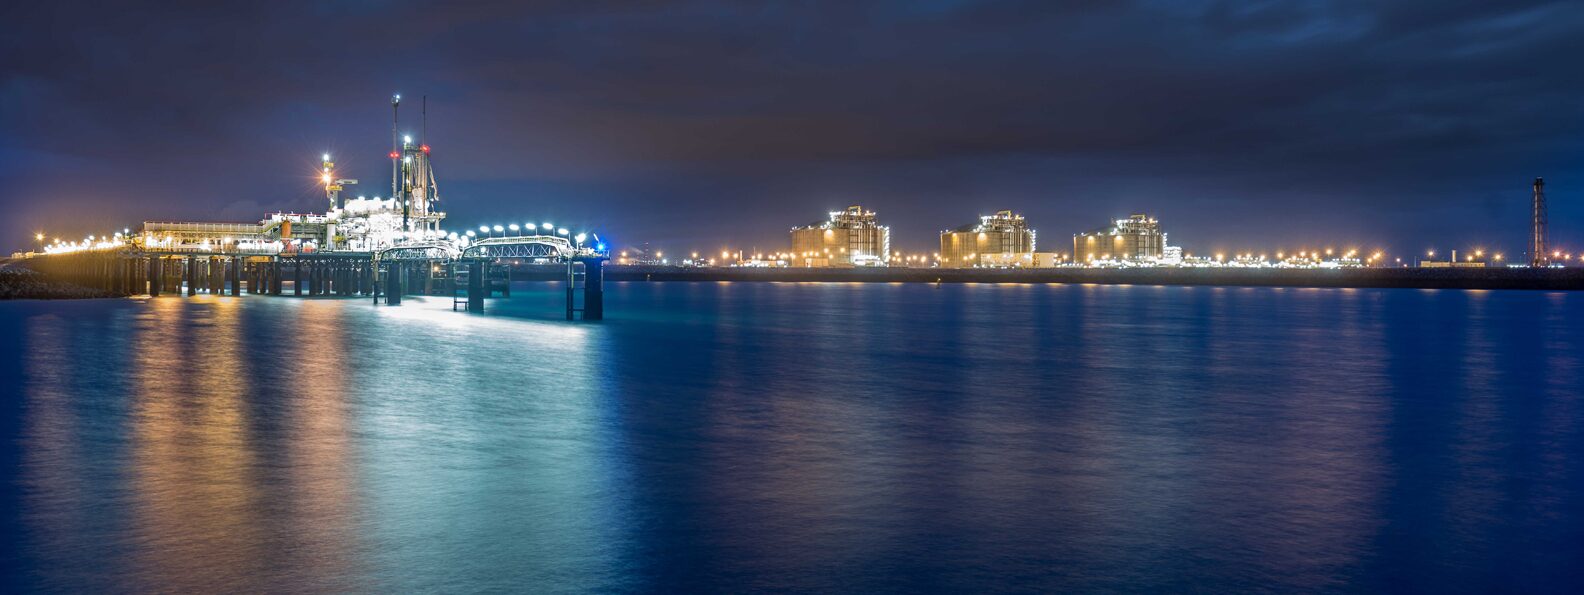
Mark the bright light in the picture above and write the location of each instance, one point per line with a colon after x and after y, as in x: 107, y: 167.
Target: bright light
x: 407, y: 139
x: 561, y: 231
x: 483, y: 229
x: 580, y: 237
x: 498, y: 229
x: 547, y: 226
x: 514, y: 227
x: 326, y: 157
x: 470, y: 233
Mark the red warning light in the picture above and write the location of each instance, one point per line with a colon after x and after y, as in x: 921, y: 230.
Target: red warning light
x: 394, y: 155
x: 426, y: 148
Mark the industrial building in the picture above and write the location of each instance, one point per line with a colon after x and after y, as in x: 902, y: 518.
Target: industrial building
x: 851, y: 237
x: 411, y: 214
x: 1137, y: 238
x: 999, y: 240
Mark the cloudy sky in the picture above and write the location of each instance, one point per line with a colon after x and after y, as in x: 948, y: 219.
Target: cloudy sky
x: 1243, y: 125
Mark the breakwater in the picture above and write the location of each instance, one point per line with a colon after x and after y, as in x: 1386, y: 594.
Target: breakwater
x: 1425, y: 278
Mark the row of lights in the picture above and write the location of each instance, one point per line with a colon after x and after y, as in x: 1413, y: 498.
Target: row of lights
x: 91, y: 242
x: 491, y: 230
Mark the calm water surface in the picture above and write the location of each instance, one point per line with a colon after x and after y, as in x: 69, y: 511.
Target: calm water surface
x: 799, y: 437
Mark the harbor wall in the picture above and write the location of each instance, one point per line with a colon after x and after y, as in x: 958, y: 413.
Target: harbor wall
x: 1532, y: 279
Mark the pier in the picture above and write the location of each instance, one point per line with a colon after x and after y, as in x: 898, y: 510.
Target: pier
x: 469, y: 275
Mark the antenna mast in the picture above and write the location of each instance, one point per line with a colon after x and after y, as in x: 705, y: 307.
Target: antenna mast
x: 395, y: 153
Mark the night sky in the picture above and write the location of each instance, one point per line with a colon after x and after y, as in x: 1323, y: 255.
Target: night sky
x: 692, y: 125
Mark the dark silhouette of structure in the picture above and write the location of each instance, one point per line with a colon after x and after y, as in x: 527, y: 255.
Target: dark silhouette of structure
x: 1538, y: 251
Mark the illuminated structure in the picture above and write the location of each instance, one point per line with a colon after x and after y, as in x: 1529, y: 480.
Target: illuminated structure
x: 1539, y: 251
x: 1137, y: 238
x: 998, y: 240
x: 852, y: 237
x: 413, y: 181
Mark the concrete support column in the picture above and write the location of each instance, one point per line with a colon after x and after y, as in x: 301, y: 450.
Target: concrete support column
x: 571, y: 288
x: 476, y: 286
x: 278, y: 284
x: 216, y: 276
x: 393, y: 284
x: 594, y: 289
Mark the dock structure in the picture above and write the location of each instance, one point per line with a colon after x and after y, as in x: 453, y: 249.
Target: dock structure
x: 470, y: 275
x: 380, y: 248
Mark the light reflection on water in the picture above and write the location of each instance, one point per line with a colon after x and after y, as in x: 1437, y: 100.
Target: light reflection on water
x: 845, y: 437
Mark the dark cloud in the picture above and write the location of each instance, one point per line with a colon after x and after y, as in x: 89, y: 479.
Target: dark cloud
x: 1242, y: 124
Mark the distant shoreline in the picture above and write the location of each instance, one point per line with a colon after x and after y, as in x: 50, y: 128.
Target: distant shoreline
x: 21, y: 283
x: 1570, y: 279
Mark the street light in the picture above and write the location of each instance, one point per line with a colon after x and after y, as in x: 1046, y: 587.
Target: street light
x: 561, y: 232
x: 547, y: 226
x: 515, y: 227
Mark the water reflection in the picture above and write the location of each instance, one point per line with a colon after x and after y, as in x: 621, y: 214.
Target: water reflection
x: 196, y: 493
x: 806, y: 437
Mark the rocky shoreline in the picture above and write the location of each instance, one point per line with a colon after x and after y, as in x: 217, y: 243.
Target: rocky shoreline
x: 18, y: 283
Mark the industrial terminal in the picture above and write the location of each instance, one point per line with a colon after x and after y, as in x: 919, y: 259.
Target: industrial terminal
x: 384, y: 248
x: 851, y: 237
x: 393, y: 245
x: 1000, y: 240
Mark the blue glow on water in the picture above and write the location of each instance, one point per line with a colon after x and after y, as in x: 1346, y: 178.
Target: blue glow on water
x: 799, y: 436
